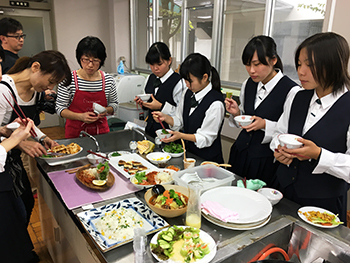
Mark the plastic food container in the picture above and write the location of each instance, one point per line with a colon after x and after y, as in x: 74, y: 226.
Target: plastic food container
x: 211, y: 176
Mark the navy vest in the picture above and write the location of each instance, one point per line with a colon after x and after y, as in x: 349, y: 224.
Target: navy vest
x: 330, y: 133
x: 271, y: 109
x: 164, y: 94
x: 193, y: 122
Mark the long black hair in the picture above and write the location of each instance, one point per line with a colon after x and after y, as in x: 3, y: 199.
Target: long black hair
x: 264, y: 46
x: 51, y: 62
x: 157, y: 52
x: 197, y: 65
x: 328, y: 57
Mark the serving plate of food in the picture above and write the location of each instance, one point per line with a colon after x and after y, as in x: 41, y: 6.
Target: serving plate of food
x: 319, y: 217
x: 149, y: 178
x: 61, y: 153
x: 120, y: 216
x: 183, y: 244
x: 130, y: 164
x: 97, y: 178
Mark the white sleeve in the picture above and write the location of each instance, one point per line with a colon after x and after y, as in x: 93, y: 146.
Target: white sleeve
x: 210, y: 127
x: 336, y: 164
x: 231, y: 120
x: 177, y: 95
x: 271, y: 126
x: 178, y: 120
x: 3, y: 156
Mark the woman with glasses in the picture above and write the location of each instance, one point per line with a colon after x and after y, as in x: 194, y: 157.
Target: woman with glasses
x: 90, y: 85
x: 12, y: 37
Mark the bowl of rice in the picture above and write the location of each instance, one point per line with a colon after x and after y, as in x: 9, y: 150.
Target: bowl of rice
x: 149, y: 178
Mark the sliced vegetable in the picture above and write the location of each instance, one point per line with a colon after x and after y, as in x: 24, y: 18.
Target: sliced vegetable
x: 103, y: 170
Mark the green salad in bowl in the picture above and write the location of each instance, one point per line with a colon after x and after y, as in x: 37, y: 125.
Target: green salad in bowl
x: 174, y: 149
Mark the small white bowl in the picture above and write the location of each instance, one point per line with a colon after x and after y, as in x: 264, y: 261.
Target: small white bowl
x: 244, y: 120
x: 13, y: 126
x: 158, y: 158
x: 162, y: 135
x: 144, y: 97
x: 290, y: 141
x: 98, y: 109
x: 174, y: 155
x: 273, y: 195
x: 94, y: 159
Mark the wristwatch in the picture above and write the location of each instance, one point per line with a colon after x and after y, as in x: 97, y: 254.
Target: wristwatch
x: 41, y: 140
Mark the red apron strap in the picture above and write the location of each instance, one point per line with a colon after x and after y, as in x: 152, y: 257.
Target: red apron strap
x: 103, y: 80
x: 75, y: 75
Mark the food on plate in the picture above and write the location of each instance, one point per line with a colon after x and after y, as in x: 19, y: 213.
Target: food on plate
x: 170, y: 199
x: 132, y: 167
x: 152, y: 178
x: 180, y: 245
x: 173, y: 167
x: 119, y: 224
x: 145, y: 146
x: 162, y: 158
x: 69, y: 149
x: 324, y: 219
x: 99, y: 182
x: 173, y: 148
x: 115, y: 154
x: 98, y: 173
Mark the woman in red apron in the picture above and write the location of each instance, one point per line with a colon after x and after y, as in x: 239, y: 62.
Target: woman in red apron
x: 91, y: 85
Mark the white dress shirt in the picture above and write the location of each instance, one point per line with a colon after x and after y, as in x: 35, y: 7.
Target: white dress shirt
x: 260, y: 96
x: 210, y: 127
x: 177, y: 93
x: 336, y: 164
x: 3, y: 156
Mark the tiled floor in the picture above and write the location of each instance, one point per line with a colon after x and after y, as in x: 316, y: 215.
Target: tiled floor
x: 34, y: 227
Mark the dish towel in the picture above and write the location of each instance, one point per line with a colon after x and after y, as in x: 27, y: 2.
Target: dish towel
x: 255, y: 184
x: 217, y: 210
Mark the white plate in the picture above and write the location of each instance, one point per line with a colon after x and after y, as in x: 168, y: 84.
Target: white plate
x: 251, y: 206
x: 120, y: 152
x: 139, y: 186
x: 60, y: 159
x: 153, y: 222
x: 313, y: 208
x: 205, y: 237
x: 130, y: 157
x: 233, y: 226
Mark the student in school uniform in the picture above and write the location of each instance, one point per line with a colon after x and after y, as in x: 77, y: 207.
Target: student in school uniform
x: 164, y: 85
x: 263, y: 96
x: 318, y: 173
x: 201, y: 111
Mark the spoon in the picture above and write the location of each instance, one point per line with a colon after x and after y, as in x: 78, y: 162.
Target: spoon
x: 183, y: 146
x: 158, y: 189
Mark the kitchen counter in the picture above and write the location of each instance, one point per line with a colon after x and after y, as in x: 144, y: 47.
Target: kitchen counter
x: 67, y: 240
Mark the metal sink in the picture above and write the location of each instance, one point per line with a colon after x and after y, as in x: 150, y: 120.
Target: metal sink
x: 302, y: 242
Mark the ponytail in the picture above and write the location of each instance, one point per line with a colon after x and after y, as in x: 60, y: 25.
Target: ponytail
x: 215, y: 80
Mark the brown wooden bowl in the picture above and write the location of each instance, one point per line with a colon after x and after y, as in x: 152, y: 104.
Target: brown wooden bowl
x: 167, y: 212
x: 110, y: 181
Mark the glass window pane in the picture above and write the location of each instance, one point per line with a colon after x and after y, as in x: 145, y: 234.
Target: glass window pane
x: 293, y: 22
x: 169, y: 24
x: 242, y: 20
x: 200, y: 30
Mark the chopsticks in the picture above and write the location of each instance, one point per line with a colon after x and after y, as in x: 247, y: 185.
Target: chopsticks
x: 74, y: 170
x: 245, y: 182
x: 161, y: 123
x: 99, y: 155
x: 25, y: 122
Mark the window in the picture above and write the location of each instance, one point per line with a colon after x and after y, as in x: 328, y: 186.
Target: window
x: 287, y: 21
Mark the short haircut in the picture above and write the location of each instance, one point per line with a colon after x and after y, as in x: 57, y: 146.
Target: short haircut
x: 157, y: 52
x: 328, y: 56
x: 9, y: 25
x: 2, y: 55
x: 91, y: 47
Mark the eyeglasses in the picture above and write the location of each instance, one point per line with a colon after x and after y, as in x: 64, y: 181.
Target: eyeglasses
x: 93, y: 61
x: 18, y: 37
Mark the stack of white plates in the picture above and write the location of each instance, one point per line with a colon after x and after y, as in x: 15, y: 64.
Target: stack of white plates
x: 254, y: 210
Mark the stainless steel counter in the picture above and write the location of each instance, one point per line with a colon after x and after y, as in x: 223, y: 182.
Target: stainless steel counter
x: 232, y: 244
